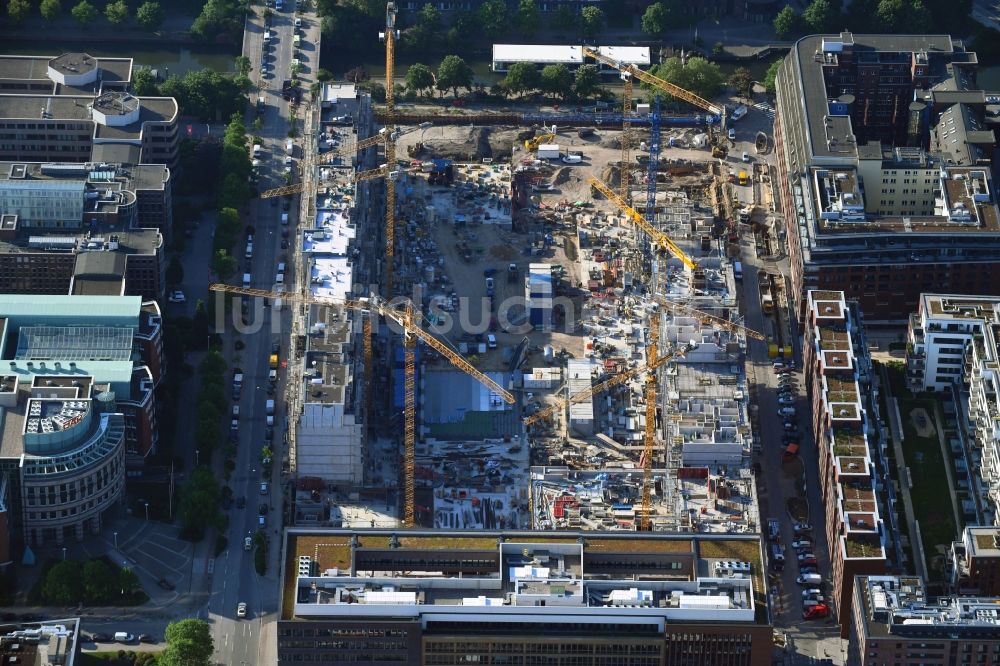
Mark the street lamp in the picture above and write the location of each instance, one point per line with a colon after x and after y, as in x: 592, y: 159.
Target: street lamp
x: 197, y: 457
x: 64, y: 554
x: 146, y: 504
x: 116, y: 540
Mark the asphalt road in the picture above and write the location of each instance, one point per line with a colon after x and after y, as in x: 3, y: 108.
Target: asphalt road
x: 234, y: 578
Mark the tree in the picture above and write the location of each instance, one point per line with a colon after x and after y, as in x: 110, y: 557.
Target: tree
x: 771, y: 76
x: 564, y: 19
x: 324, y: 75
x: 356, y: 74
x: 658, y: 18
x: 528, y: 18
x: 243, y: 65
x: 144, y: 83
x: 128, y: 582
x: 100, y: 584
x: 454, y: 73
x: 218, y: 17
x: 223, y: 264
x: 718, y: 48
x: 821, y: 16
x: 199, y: 501
x: 591, y: 21
x: 63, y: 584
x: 150, y: 15
x: 116, y: 11
x: 51, y: 9
x: 741, y: 80
x: 786, y: 22
x: 189, y: 643
x: 557, y: 80
x: 419, y: 77
x: 175, y: 271
x: 18, y: 10
x: 84, y: 12
x: 919, y: 19
x: 265, y: 453
x: 493, y: 17
x: 698, y: 75
x: 587, y: 81
x: 522, y: 77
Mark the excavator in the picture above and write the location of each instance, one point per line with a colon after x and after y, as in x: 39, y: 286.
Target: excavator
x: 532, y: 144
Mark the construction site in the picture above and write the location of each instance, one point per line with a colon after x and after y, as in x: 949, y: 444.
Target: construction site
x: 532, y: 323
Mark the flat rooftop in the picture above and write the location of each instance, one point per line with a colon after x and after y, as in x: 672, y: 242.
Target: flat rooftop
x: 670, y: 575
x: 15, y: 70
x: 959, y: 307
x: 50, y: 641
x: 898, y: 606
x: 77, y: 108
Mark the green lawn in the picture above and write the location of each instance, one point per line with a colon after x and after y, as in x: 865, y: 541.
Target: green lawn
x: 930, y: 495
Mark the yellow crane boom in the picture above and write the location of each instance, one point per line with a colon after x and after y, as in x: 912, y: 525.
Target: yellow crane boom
x: 658, y: 236
x: 596, y: 389
x: 649, y: 438
x: 657, y: 82
x: 411, y: 326
x: 707, y: 318
x: 410, y: 322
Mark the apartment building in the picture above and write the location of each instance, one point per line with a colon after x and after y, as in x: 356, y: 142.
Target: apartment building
x: 953, y: 345
x: 457, y: 597
x: 973, y: 564
x: 883, y: 149
x: 893, y: 622
x: 851, y: 466
x: 84, y: 228
x: 938, y: 337
x: 78, y: 108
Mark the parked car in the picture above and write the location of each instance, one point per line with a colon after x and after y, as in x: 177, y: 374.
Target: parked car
x: 806, y: 556
x: 801, y: 527
x: 786, y: 400
x: 811, y: 592
x: 241, y: 609
x: 166, y: 584
x: 177, y: 297
x: 732, y: 134
x: 817, y: 612
x: 262, y: 510
x: 799, y: 544
x: 284, y: 244
x: 808, y: 562
x: 100, y: 638
x: 147, y: 638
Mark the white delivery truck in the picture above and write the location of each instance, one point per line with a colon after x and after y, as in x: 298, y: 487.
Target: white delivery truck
x: 548, y: 151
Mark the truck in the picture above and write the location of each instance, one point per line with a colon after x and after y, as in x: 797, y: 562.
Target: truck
x: 237, y: 385
x: 549, y: 151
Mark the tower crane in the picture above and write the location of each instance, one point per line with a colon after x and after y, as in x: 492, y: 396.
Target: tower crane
x: 626, y: 173
x: 649, y: 437
x: 412, y: 326
x: 382, y: 171
x: 658, y: 236
x: 707, y: 318
x: 597, y: 389
x: 657, y: 82
x: 389, y: 36
x: 653, y: 167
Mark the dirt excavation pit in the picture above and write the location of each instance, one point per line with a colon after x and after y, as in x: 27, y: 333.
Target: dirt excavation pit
x: 460, y: 143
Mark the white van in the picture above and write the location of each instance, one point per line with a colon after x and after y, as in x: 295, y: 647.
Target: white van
x: 279, y: 278
x: 281, y: 267
x: 267, y: 35
x: 246, y: 279
x: 249, y: 252
x: 257, y: 150
x: 491, y: 341
x: 290, y: 147
x: 124, y: 637
x: 284, y: 218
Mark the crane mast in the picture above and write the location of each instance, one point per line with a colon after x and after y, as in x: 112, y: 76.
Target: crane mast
x: 390, y: 146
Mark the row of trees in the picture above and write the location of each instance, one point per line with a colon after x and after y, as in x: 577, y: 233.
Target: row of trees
x: 220, y: 19
x: 205, y: 93
x: 149, y: 15
x: 350, y: 23
x: 198, y: 507
x: 881, y: 16
x: 698, y: 75
x: 212, y: 404
x: 94, y: 583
